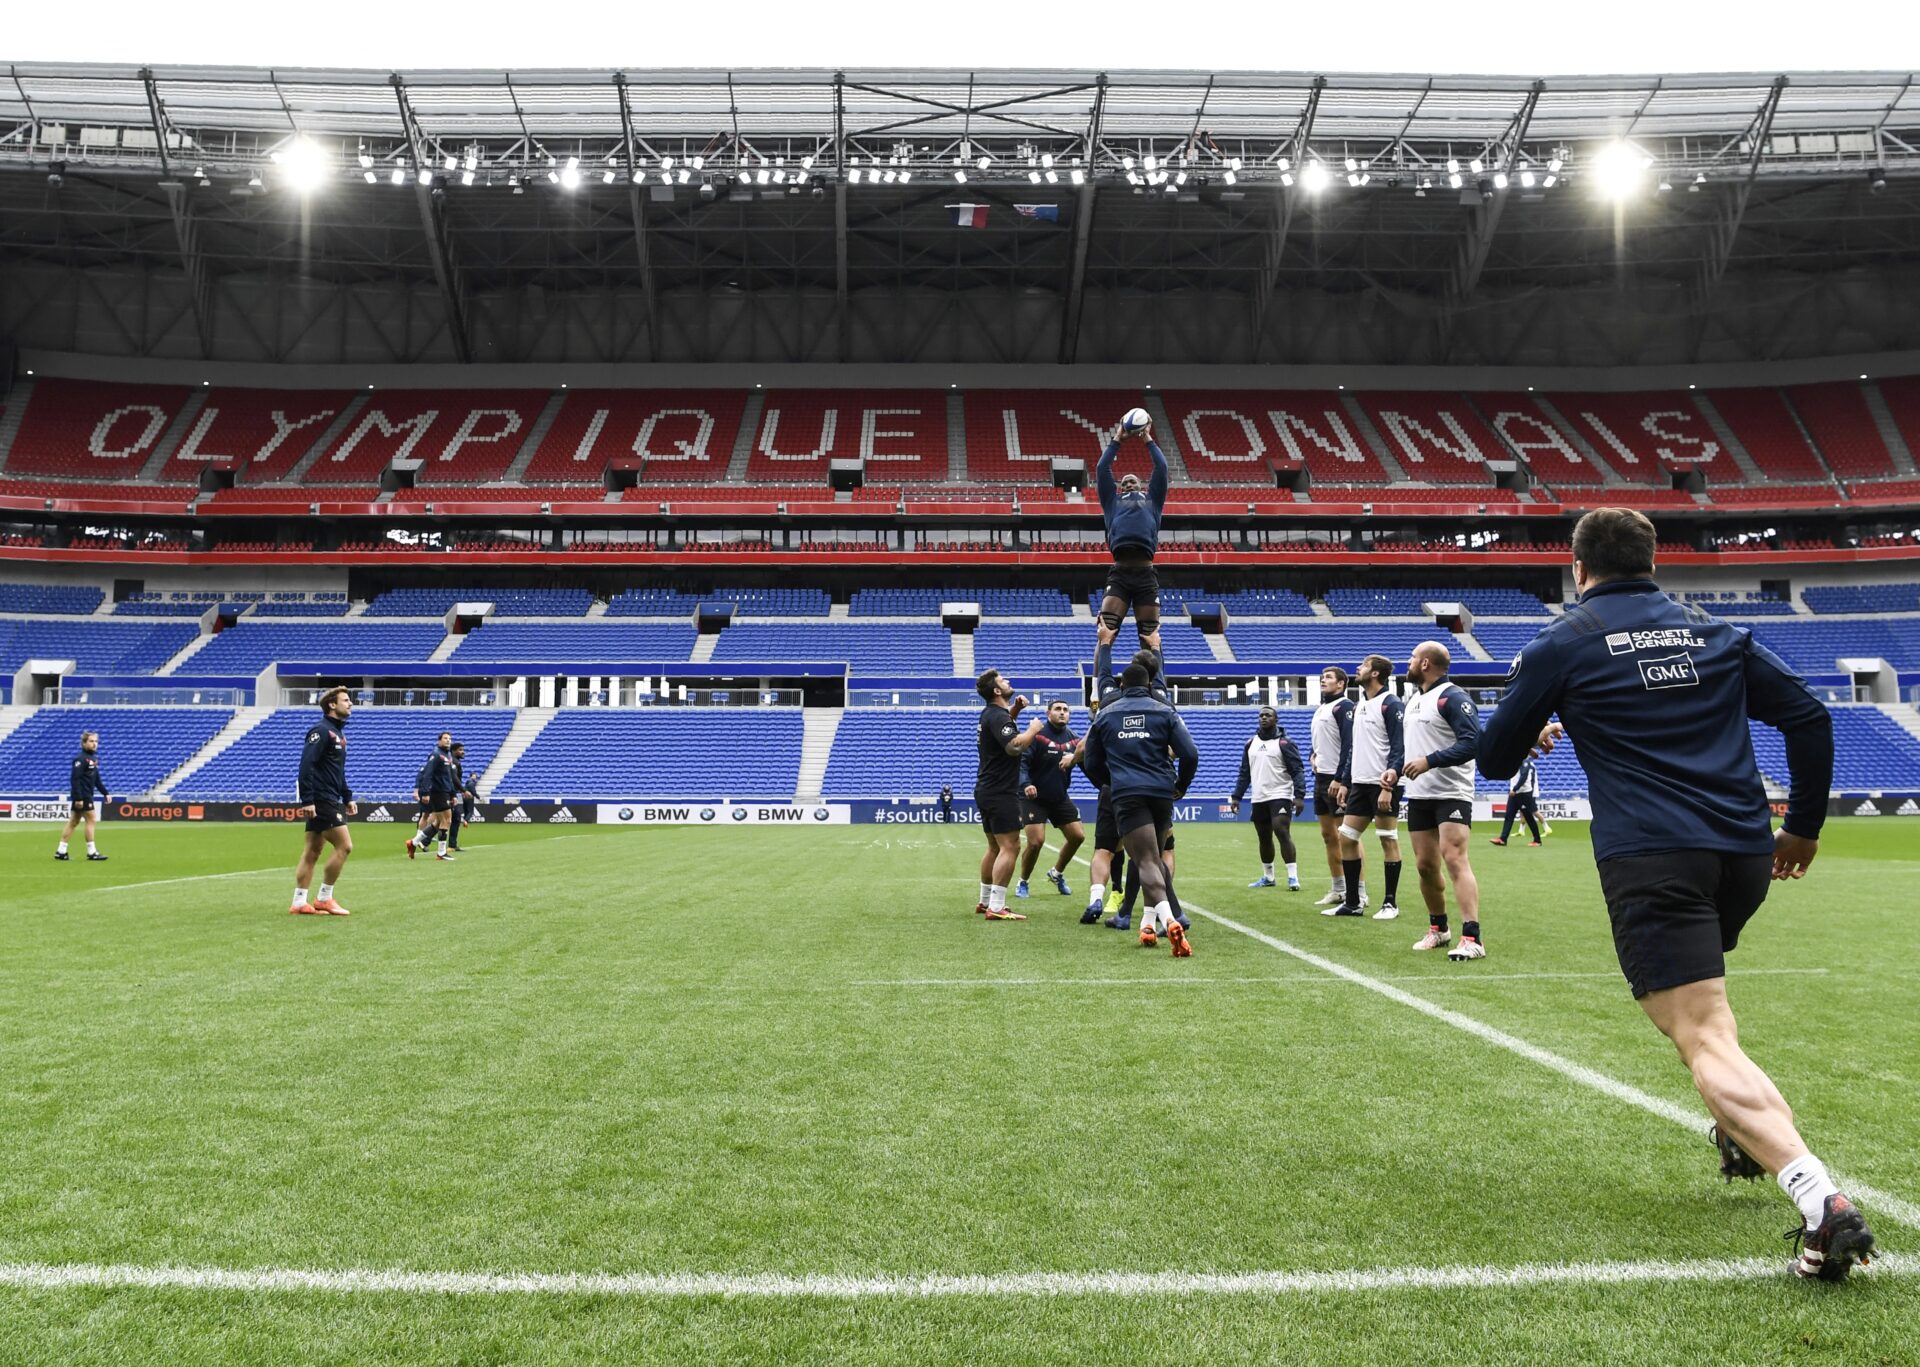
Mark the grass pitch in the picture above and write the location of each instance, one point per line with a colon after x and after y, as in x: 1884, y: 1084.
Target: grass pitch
x: 799, y: 1053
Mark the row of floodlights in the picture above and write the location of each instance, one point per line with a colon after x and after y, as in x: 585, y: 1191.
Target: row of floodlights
x: 1618, y: 170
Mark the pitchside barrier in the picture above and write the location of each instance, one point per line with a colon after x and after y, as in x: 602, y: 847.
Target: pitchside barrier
x: 741, y: 812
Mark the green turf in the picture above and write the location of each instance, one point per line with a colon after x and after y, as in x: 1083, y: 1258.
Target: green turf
x: 799, y: 1052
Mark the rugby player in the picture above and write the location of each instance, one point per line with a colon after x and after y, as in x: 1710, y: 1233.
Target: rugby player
x: 1522, y: 801
x: 326, y: 802
x: 1331, y: 733
x: 1115, y: 872
x: 1132, y: 513
x: 1442, y: 738
x: 996, y: 789
x: 1046, y: 773
x: 1270, y: 766
x: 465, y: 794
x: 1375, y: 747
x: 439, y: 799
x: 1658, y: 694
x: 83, y: 782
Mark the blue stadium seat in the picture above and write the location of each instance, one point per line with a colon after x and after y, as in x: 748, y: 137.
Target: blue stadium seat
x: 139, y: 746
x: 249, y: 647
x: 301, y: 609
x: 776, y: 602
x: 1265, y: 603
x: 1487, y: 602
x: 582, y: 642
x: 385, y: 749
x: 50, y: 600
x: 1064, y: 649
x: 95, y: 647
x: 1864, y: 598
x: 437, y: 602
x: 654, y: 603
x: 911, y: 649
x: 993, y: 602
x: 662, y: 752
x: 1331, y: 643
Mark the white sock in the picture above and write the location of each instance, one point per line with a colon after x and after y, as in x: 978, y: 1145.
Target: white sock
x: 1160, y: 916
x: 91, y: 849
x: 443, y: 844
x: 1267, y: 869
x: 986, y: 891
x: 996, y: 898
x: 299, y: 897
x: 326, y: 892
x: 1293, y: 873
x: 1097, y: 893
x: 1805, y: 1180
x: 63, y: 847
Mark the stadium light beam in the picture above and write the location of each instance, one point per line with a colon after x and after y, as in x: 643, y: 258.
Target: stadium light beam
x: 303, y: 166
x: 1619, y: 169
x: 1314, y: 177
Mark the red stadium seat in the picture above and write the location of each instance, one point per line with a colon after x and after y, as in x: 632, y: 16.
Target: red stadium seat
x: 262, y: 432
x: 1436, y: 438
x: 1903, y: 401
x: 459, y: 435
x: 1549, y: 452
x: 1648, y: 437
x: 1218, y: 430
x: 678, y: 434
x: 1013, y: 435
x: 901, y: 434
x: 1842, y: 425
x: 1764, y: 424
x: 93, y: 429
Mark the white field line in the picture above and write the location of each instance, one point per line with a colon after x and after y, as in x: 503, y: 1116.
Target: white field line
x: 1693, y: 1120
x: 684, y: 1285
x: 1444, y: 979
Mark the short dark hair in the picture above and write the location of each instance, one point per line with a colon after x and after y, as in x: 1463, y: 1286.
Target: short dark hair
x: 1615, y: 543
x: 460, y: 746
x: 1134, y: 676
x: 1381, y: 666
x: 1145, y: 658
x: 447, y: 734
x: 987, y: 684
x: 326, y: 698
x: 1338, y: 673
x: 1058, y: 702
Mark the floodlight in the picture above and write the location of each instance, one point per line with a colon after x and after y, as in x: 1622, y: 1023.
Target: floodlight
x: 1314, y: 177
x: 666, y: 163
x: 1053, y: 177
x: 700, y: 163
x: 1453, y: 165
x: 1617, y: 169
x: 746, y: 177
x: 806, y: 162
x: 303, y: 165
x: 606, y: 177
x: 399, y: 176
x: 1133, y: 177
x: 1046, y: 159
x: 1551, y: 181
x: 1352, y: 166
x: 1455, y: 180
x: 1034, y: 176
x: 1233, y: 164
x: 1126, y: 163
x: 1499, y: 180
x: 1079, y: 177
x: 473, y: 159
x: 959, y: 177
x: 370, y: 177
x: 453, y: 162
x: 466, y: 177
x: 853, y: 176
x: 1230, y: 177
x: 366, y: 162
x: 1150, y: 163
x: 1554, y: 164
x: 761, y: 177
x: 1286, y: 179
x: 1476, y: 166
x: 1353, y: 180
x: 905, y: 176
x: 686, y: 175
x: 780, y: 175
x: 983, y: 163
x: 426, y: 175
x: 570, y: 173
x: 1526, y: 178
x: 1285, y: 165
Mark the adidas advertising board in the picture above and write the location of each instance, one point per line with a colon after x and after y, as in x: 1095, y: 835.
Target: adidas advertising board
x: 378, y: 814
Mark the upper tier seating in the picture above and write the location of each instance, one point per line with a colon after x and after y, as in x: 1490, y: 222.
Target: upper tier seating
x: 993, y: 602
x: 1018, y: 647
x: 1841, y: 423
x: 679, y: 435
x: 1813, y: 647
x: 1903, y: 402
x: 1014, y: 434
x: 576, y: 642
x: 1436, y: 438
x: 1549, y: 452
x: 776, y: 602
x: 654, y: 603
x: 461, y: 436
x: 247, y: 647
x: 1375, y: 602
x: 385, y: 748
x: 93, y: 429
x: 95, y: 647
x: 1648, y: 437
x: 1863, y: 598
x: 139, y: 746
x: 1764, y: 425
x: 1283, y: 428
x: 894, y: 648
x: 662, y: 752
x: 901, y: 434
x: 868, y: 759
x: 316, y: 608
x: 1871, y: 751
x: 1260, y: 603
x: 51, y: 600
x: 263, y: 433
x: 1325, y: 643
x: 437, y: 602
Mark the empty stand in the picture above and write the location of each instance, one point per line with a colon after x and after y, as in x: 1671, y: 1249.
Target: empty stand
x: 458, y: 435
x: 1648, y: 437
x: 900, y: 434
x: 653, y: 603
x: 1381, y: 602
x: 868, y: 759
x: 1260, y: 603
x: 904, y: 648
x: 1219, y: 429
x: 93, y: 430
x: 95, y: 647
x: 438, y: 602
x: 1871, y: 751
x: 662, y: 753
x: 385, y: 749
x: 1841, y: 423
x: 261, y: 433
x: 1764, y: 425
x: 139, y: 746
x: 1328, y: 643
x: 1436, y: 438
x: 993, y: 602
x: 776, y: 602
x: 51, y: 600
x: 1813, y: 647
x: 679, y: 436
x: 1838, y: 598
x: 1550, y: 453
x: 1013, y: 435
x: 576, y: 642
x: 247, y: 647
x: 1903, y: 402
x: 1064, y: 649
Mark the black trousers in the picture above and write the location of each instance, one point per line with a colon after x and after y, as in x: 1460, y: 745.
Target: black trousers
x: 1521, y: 805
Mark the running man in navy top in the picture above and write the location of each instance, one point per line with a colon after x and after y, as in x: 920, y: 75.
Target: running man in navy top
x: 1132, y: 512
x: 1657, y: 694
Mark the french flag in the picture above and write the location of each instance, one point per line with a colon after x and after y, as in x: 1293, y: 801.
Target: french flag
x: 968, y: 215
x: 1049, y: 212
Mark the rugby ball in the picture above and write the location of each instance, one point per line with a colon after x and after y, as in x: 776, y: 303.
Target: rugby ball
x: 1135, y: 419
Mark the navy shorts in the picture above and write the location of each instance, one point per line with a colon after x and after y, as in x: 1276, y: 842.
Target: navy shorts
x: 1678, y: 913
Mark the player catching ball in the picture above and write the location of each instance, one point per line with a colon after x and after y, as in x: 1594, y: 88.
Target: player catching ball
x: 1132, y: 512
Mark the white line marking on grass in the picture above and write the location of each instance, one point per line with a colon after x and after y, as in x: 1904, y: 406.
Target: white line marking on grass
x: 685, y: 1285
x: 1444, y: 979
x: 1694, y: 1121
x: 285, y: 870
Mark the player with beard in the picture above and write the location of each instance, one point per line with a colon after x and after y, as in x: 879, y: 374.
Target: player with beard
x: 1375, y: 749
x: 1046, y: 774
x: 1442, y: 735
x: 1117, y: 871
x: 996, y: 789
x: 1270, y: 766
x: 1331, y: 733
x: 326, y: 802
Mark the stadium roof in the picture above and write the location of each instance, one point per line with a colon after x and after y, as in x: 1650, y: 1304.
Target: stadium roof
x: 810, y: 215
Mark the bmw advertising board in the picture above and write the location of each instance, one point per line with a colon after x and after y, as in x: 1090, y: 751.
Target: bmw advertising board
x: 727, y: 813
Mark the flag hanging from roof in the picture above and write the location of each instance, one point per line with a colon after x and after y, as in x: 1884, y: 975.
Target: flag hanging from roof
x: 968, y: 215
x: 1049, y: 212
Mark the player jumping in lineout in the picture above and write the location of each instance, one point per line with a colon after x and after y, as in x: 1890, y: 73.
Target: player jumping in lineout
x: 1132, y: 514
